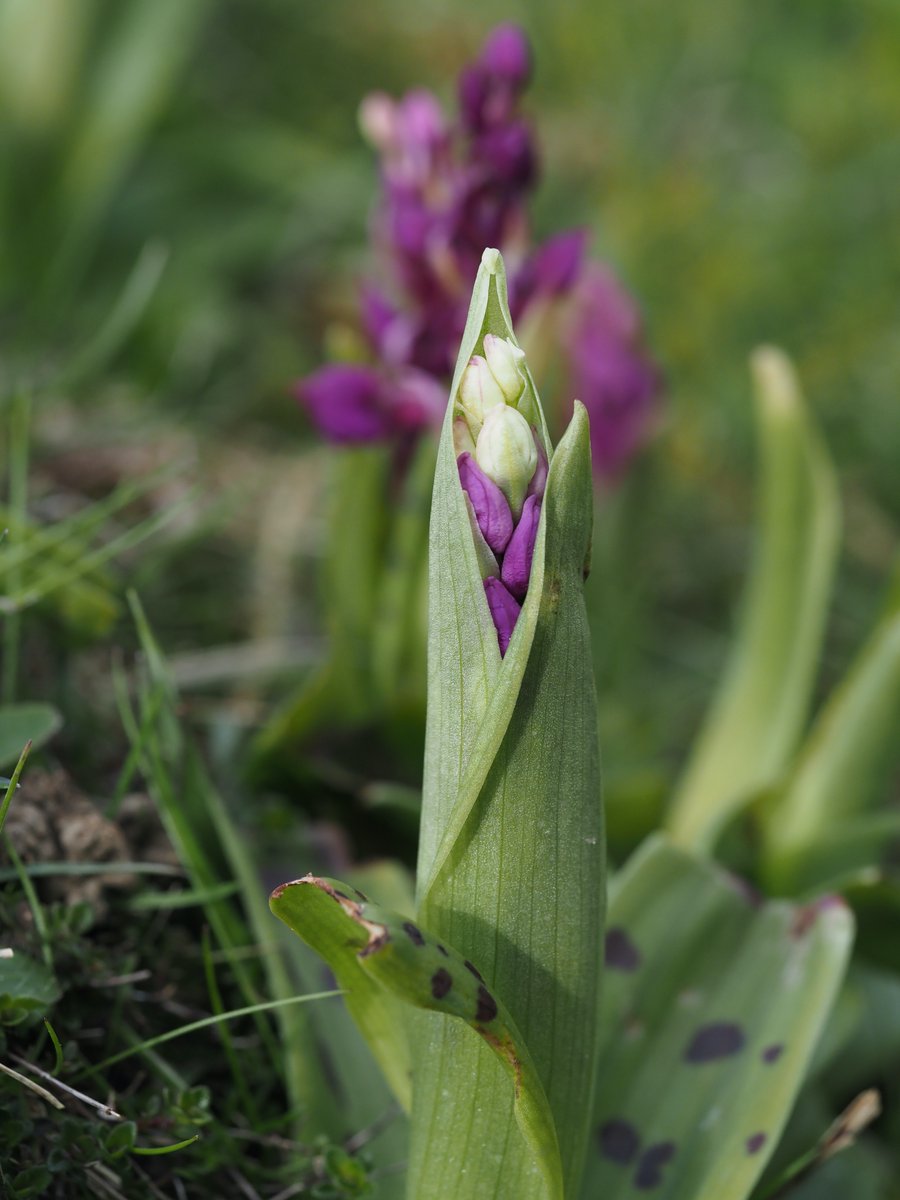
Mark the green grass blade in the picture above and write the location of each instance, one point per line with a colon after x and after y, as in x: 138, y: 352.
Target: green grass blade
x: 251, y: 1010
x: 816, y: 828
x: 713, y: 1004
x: 757, y: 718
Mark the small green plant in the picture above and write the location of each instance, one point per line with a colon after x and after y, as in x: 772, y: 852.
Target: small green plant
x: 682, y: 1079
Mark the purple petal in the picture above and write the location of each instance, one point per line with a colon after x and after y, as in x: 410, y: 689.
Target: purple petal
x: 611, y: 373
x: 618, y: 386
x: 516, y: 570
x: 491, y: 506
x: 489, y: 89
x: 378, y: 315
x: 504, y: 608
x: 416, y: 401
x: 345, y: 403
x: 509, y: 152
x: 550, y: 271
x: 507, y: 55
x: 473, y: 90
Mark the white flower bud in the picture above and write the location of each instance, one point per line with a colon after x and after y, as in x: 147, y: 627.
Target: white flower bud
x: 478, y: 393
x: 505, y: 451
x: 463, y: 442
x: 506, y: 362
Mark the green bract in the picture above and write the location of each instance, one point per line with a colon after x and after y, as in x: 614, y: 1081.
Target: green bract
x: 511, y: 846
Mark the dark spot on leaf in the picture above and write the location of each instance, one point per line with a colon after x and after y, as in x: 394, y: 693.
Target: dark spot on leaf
x: 621, y: 952
x: 755, y: 1143
x: 649, y: 1169
x: 413, y: 933
x: 720, y: 1039
x: 362, y: 895
x: 619, y: 1140
x: 441, y: 983
x: 773, y: 1053
x: 329, y: 980
x: 443, y: 950
x: 804, y: 919
x: 475, y: 971
x: 554, y: 591
x: 487, y: 1006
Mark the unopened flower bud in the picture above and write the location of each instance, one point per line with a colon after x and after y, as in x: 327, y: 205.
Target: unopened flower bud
x: 520, y: 551
x: 487, y: 562
x: 479, y: 392
x: 504, y: 608
x: 505, y: 361
x: 491, y: 506
x: 463, y: 442
x: 506, y: 453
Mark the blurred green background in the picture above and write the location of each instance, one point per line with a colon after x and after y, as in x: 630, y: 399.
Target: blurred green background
x: 185, y: 195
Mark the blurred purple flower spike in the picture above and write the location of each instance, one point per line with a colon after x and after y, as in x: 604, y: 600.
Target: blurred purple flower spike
x: 611, y: 372
x: 490, y: 88
x: 450, y: 188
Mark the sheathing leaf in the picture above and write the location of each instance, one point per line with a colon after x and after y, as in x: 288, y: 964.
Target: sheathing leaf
x: 757, y: 718
x: 713, y: 1003
x: 511, y: 847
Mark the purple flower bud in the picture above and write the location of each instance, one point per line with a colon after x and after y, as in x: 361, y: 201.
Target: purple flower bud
x: 487, y: 563
x: 344, y: 402
x: 491, y: 506
x: 504, y: 608
x: 516, y: 570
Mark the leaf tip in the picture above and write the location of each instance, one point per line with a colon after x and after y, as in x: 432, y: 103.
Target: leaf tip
x: 492, y: 261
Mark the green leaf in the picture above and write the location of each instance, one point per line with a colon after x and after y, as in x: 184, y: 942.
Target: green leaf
x: 713, y: 1003
x: 757, y: 718
x: 21, y: 723
x: 511, y: 844
x: 26, y: 986
x: 385, y: 962
x: 816, y: 828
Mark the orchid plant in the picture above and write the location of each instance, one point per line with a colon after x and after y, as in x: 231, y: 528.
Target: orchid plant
x: 480, y: 999
x: 449, y: 187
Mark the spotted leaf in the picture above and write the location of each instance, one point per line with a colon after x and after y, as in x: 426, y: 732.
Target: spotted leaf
x: 713, y: 1002
x: 386, y: 962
